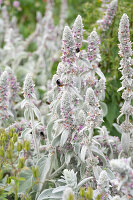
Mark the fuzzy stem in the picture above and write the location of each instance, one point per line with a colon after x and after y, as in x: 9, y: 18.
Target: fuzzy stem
x: 57, y: 171
x: 34, y: 133
x: 90, y: 134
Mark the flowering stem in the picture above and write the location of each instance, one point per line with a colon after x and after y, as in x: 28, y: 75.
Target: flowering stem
x: 34, y: 134
x: 90, y: 134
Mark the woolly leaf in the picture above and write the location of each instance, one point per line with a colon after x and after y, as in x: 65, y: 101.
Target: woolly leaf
x: 68, y: 157
x: 84, y: 181
x: 64, y: 137
x: 83, y: 153
x: 99, y: 72
x: 37, y: 113
x: 25, y: 132
x: 49, y: 130
x: 99, y: 153
x: 47, y: 194
x: 117, y: 127
x: 104, y: 108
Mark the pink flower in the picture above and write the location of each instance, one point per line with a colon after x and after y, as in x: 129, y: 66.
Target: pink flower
x: 1, y: 1
x: 16, y: 4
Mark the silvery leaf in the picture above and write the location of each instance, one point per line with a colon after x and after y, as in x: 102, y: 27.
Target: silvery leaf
x: 83, y: 153
x: 64, y: 137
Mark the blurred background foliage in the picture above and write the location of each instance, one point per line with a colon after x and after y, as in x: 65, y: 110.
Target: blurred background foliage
x: 89, y: 10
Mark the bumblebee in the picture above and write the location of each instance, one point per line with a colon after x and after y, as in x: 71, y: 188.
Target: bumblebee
x: 47, y: 102
x: 58, y: 82
x: 77, y: 50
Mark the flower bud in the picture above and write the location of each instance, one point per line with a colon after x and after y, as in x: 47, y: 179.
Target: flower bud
x: 2, y: 153
x: 8, y: 180
x: 11, y: 145
x: 98, y: 197
x: 35, y: 172
x: 82, y: 192
x: 27, y: 145
x: 21, y: 163
x: 68, y: 194
x: 1, y: 174
x: 11, y: 131
x: 9, y: 154
x: 19, y: 146
x: 89, y: 194
x: 15, y: 136
x: 23, y: 145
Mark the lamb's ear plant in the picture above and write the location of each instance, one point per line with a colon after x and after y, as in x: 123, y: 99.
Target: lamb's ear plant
x: 126, y: 52
x: 30, y: 109
x: 5, y: 112
x: 14, y: 88
x: 109, y: 15
x: 75, y: 110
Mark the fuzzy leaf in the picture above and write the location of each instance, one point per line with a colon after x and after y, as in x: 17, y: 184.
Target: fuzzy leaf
x: 64, y: 137
x: 24, y: 185
x: 46, y: 165
x: 99, y: 153
x: 104, y: 108
x: 59, y: 189
x: 117, y: 127
x: 125, y: 142
x: 110, y: 174
x: 83, y: 182
x: 25, y: 132
x: 26, y: 114
x: 47, y: 194
x: 99, y: 73
x: 37, y: 113
x: 83, y: 153
x: 49, y: 130
x: 68, y: 157
x: 56, y: 140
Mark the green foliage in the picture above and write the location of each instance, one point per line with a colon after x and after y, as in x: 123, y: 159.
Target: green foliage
x: 12, y: 166
x: 88, y: 194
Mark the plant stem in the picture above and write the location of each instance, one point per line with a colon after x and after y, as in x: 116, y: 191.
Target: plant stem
x: 57, y: 171
x: 34, y: 133
x: 16, y: 193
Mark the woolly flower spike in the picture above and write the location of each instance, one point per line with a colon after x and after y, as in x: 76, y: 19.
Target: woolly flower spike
x: 70, y: 178
x: 68, y: 46
x: 127, y: 81
x: 68, y: 194
x: 29, y: 88
x: 4, y: 96
x: 14, y: 86
x: 103, y: 178
x: 93, y: 47
x: 124, y: 37
x: 90, y: 97
x: 120, y: 165
x: 124, y: 173
x: 66, y: 110
x: 81, y: 118
x: 111, y: 11
x: 78, y: 31
x: 116, y: 198
x: 103, y: 184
